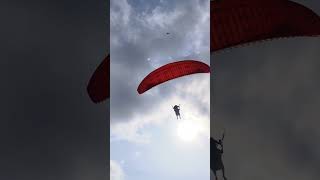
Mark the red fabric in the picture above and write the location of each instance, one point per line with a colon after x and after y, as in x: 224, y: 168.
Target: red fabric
x: 99, y: 84
x: 233, y: 23
x: 172, y: 71
x: 237, y: 22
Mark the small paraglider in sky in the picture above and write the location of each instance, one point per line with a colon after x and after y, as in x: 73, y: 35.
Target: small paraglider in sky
x: 172, y: 71
x: 176, y: 109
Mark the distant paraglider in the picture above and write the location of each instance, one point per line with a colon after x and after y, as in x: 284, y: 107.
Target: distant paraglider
x: 171, y: 71
x: 176, y: 109
x: 238, y: 22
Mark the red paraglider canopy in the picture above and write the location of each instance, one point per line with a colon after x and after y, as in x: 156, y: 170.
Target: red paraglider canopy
x: 171, y: 71
x: 233, y: 23
x: 99, y: 84
x: 236, y: 22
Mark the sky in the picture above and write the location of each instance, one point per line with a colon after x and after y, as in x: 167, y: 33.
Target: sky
x: 266, y: 96
x: 51, y: 130
x: 145, y: 141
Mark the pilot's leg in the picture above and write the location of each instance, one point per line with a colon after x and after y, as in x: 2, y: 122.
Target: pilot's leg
x: 223, y: 173
x: 215, y: 174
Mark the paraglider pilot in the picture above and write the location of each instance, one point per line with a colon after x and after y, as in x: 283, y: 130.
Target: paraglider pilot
x: 176, y: 109
x: 216, y: 157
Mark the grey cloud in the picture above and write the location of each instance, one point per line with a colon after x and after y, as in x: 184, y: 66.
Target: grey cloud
x: 143, y: 41
x: 49, y: 127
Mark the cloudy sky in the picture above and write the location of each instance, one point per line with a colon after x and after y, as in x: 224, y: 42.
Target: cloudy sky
x: 266, y: 96
x: 146, y: 138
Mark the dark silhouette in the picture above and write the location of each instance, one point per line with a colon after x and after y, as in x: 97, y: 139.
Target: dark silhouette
x: 176, y: 109
x: 167, y: 33
x: 216, y: 157
x: 99, y: 84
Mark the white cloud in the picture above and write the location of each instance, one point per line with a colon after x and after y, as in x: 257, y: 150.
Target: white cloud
x: 116, y: 171
x: 138, y: 35
x: 160, y: 18
x: 193, y: 93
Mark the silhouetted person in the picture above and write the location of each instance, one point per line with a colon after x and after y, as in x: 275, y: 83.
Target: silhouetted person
x: 176, y: 109
x: 216, y: 157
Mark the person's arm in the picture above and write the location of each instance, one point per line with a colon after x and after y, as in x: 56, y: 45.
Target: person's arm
x: 213, y: 141
x: 221, y: 151
x: 221, y: 144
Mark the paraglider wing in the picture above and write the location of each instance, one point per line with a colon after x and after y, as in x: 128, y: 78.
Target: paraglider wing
x: 237, y: 22
x: 99, y: 84
x: 172, y: 71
